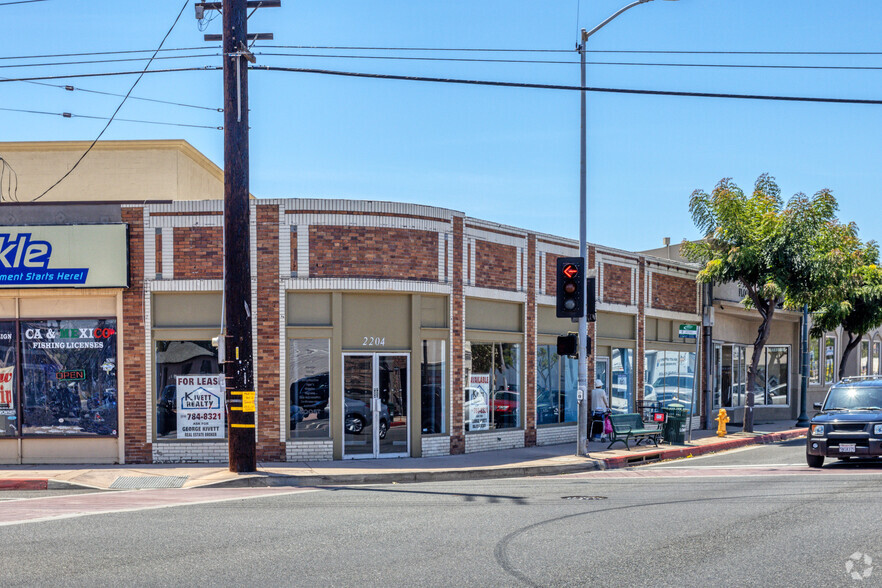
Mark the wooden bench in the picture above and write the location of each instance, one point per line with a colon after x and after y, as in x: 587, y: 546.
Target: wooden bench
x: 628, y: 427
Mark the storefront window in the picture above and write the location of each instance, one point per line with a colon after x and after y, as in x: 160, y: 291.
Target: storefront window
x: 557, y: 381
x: 8, y: 381
x: 433, y: 379
x: 669, y: 377
x: 175, y: 359
x: 777, y: 374
x: 492, y: 398
x: 814, y: 350
x: 309, y: 367
x: 621, y: 396
x: 876, y: 360
x: 69, y: 377
x: 829, y: 359
x: 865, y: 358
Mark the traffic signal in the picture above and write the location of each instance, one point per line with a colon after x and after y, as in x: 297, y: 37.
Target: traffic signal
x: 568, y: 345
x: 570, y: 287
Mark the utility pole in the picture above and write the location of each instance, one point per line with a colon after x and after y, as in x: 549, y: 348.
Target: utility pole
x: 238, y: 360
x: 583, y: 404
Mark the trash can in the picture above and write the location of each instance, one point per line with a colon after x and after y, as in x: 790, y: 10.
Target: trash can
x: 675, y: 423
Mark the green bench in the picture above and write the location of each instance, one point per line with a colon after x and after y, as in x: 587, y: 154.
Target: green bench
x: 629, y: 427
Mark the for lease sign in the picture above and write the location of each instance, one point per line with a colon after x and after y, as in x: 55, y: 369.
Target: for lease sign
x: 479, y: 402
x: 199, y: 407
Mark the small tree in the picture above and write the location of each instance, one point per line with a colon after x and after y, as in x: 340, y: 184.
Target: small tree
x: 854, y: 303
x: 780, y: 255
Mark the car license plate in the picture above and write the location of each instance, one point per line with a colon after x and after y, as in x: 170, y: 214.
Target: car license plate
x: 846, y: 448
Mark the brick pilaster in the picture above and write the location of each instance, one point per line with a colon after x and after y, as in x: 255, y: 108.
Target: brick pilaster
x: 269, y: 428
x: 530, y: 347
x: 137, y: 445
x: 640, y: 360
x: 457, y: 342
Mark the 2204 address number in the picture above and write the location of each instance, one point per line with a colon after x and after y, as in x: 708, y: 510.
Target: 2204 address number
x: 374, y: 342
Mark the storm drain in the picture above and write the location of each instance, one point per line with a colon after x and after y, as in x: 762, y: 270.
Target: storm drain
x: 144, y: 482
x: 584, y: 497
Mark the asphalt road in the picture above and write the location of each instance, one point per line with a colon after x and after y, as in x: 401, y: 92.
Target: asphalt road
x: 754, y: 517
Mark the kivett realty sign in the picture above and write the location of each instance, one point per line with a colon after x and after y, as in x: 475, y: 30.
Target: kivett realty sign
x: 80, y: 256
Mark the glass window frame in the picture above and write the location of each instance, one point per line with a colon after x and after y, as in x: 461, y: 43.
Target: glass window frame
x: 815, y: 355
x: 21, y: 359
x: 291, y: 379
x: 445, y: 386
x: 876, y: 360
x: 864, y: 358
x: 564, y: 366
x: 519, y: 419
x: 11, y: 345
x: 682, y: 363
x: 830, y: 372
x: 160, y: 401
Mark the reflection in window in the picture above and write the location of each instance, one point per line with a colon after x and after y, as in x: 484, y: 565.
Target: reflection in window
x: 500, y: 365
x: 865, y: 358
x: 433, y: 370
x: 670, y: 377
x: 557, y: 380
x: 309, y: 366
x: 8, y: 381
x: 178, y: 358
x: 69, y: 377
x: 875, y: 362
x: 621, y: 389
x: 829, y: 359
x: 777, y: 374
x: 814, y: 360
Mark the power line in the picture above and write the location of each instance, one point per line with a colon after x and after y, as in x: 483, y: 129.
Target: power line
x: 527, y: 61
x: 70, y: 88
x: 92, y: 61
x: 71, y: 115
x: 563, y: 87
x: 93, y: 53
x: 497, y: 50
x: 20, y: 2
x: 111, y: 73
x: 110, y: 120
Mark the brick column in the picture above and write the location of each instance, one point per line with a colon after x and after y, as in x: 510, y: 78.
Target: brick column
x: 530, y: 347
x: 457, y: 343
x: 267, y: 352
x: 137, y: 445
x: 592, y: 330
x: 640, y: 360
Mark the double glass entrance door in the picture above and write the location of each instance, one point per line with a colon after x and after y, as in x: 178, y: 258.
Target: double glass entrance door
x: 375, y: 405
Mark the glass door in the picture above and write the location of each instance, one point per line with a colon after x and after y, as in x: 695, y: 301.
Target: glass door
x: 375, y: 405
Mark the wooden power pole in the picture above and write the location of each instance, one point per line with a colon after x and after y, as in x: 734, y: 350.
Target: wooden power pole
x: 238, y: 360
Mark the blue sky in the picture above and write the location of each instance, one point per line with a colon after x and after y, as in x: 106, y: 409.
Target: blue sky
x: 502, y: 154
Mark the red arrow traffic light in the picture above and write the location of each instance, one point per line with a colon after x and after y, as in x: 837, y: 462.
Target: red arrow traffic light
x: 570, y: 270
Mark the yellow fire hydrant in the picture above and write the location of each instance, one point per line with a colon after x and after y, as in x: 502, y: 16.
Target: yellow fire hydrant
x: 722, y: 419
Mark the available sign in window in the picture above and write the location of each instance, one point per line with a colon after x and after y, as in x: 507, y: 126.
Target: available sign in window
x: 199, y: 407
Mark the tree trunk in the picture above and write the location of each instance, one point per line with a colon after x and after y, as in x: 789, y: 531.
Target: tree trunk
x: 853, y: 342
x: 766, y: 309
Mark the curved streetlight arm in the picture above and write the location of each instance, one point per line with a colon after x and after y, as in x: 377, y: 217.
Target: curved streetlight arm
x: 586, y: 34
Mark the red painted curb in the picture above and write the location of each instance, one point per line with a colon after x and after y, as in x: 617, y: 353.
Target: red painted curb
x: 24, y: 484
x: 621, y: 461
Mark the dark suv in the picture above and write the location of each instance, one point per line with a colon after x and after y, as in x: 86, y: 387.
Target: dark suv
x: 850, y: 422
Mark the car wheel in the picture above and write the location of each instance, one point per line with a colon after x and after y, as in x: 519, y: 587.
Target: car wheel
x: 353, y: 424
x: 814, y: 461
x: 384, y: 427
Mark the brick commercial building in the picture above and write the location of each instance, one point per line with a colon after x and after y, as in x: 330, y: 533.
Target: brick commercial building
x: 380, y: 329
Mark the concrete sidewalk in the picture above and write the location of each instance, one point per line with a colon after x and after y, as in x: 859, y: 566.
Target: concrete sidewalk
x: 510, y: 463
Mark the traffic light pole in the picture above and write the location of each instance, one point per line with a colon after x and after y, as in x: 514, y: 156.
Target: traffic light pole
x: 583, y: 406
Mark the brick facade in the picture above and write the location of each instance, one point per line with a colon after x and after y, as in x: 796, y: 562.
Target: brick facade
x: 498, y: 265
x: 673, y: 293
x: 368, y: 252
x: 616, y: 284
x: 137, y: 443
x: 457, y: 343
x: 199, y: 253
x: 267, y: 352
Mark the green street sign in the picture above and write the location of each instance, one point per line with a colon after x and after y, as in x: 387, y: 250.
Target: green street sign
x: 688, y: 331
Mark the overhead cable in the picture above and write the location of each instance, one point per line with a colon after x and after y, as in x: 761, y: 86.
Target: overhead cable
x: 564, y: 87
x: 70, y: 88
x: 72, y: 115
x: 648, y: 52
x: 111, y: 73
x: 528, y: 61
x: 115, y: 112
x: 93, y: 61
x: 93, y: 53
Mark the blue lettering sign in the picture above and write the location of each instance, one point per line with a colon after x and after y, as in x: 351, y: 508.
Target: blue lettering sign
x: 25, y: 262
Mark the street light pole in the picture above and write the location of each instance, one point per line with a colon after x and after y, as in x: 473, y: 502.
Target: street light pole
x: 803, y: 420
x: 582, y: 443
